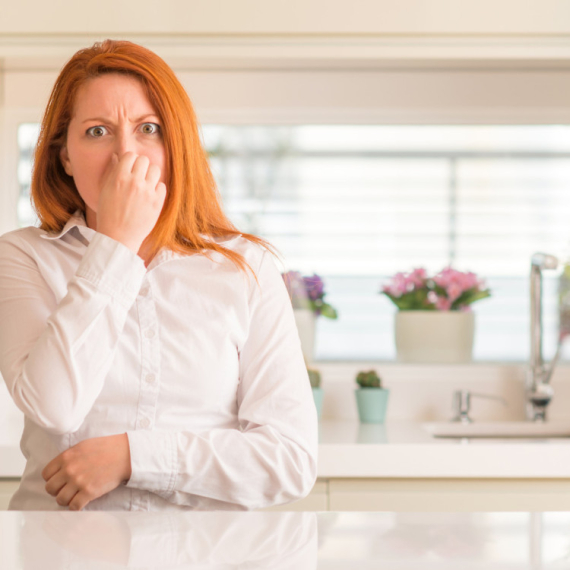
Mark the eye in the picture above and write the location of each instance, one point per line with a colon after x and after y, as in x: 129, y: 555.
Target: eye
x: 96, y: 131
x: 150, y: 128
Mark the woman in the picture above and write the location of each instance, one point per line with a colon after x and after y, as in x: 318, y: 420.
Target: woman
x: 151, y: 346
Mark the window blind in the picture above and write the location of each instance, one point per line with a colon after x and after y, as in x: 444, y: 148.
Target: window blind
x: 357, y: 203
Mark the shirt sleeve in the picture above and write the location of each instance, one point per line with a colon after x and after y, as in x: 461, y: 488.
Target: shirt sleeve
x: 54, y: 357
x: 272, y: 458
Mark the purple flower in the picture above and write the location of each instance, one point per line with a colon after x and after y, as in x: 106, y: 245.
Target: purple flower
x: 314, y: 286
x: 308, y: 292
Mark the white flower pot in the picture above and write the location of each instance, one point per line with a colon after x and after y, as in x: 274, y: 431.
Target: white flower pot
x: 306, y: 322
x: 434, y: 336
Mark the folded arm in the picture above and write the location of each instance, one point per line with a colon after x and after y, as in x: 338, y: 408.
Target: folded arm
x: 272, y: 458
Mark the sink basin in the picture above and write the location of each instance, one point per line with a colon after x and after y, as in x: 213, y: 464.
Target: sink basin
x: 498, y: 429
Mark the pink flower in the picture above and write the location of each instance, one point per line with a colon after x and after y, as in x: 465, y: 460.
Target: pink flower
x: 418, y: 276
x: 455, y: 282
x: 417, y: 291
x: 442, y: 304
x: 454, y: 290
x: 398, y: 286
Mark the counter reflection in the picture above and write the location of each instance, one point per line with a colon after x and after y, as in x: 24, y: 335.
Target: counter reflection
x: 219, y: 539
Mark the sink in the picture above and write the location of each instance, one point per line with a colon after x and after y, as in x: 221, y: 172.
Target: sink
x: 499, y: 429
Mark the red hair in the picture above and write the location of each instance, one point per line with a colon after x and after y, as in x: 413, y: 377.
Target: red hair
x: 192, y: 205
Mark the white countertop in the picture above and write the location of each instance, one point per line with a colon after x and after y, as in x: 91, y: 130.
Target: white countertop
x: 34, y: 540
x: 404, y: 449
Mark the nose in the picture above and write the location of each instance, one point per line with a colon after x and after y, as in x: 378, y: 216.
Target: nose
x: 125, y: 142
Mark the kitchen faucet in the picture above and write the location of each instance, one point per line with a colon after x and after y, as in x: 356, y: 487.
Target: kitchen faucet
x: 538, y: 389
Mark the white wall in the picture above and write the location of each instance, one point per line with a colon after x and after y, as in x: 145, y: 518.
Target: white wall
x: 303, y: 31
x: 287, y: 17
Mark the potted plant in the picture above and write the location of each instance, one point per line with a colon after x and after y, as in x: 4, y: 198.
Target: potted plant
x: 307, y: 296
x: 318, y: 392
x: 434, y: 322
x: 371, y: 398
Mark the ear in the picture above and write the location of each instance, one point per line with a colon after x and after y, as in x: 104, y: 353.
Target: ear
x: 64, y: 157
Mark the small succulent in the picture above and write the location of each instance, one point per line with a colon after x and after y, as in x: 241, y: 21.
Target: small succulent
x: 314, y: 377
x: 369, y: 379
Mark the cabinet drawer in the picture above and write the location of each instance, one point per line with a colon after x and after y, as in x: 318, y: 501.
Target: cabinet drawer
x: 7, y: 489
x: 453, y: 495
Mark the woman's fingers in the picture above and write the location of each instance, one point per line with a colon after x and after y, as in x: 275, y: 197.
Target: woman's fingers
x: 153, y: 175
x: 127, y: 161
x: 55, y: 483
x: 161, y: 190
x: 128, y: 206
x: 78, y: 501
x: 61, y: 488
x: 66, y: 495
x: 140, y: 166
x: 51, y: 468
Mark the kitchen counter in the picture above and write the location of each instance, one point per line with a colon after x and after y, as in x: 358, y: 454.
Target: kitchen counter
x: 403, y: 449
x: 34, y: 540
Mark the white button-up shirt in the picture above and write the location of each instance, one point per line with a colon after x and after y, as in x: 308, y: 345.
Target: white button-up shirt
x: 200, y: 366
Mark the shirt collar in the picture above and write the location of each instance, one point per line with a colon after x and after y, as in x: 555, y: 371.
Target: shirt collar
x: 76, y: 220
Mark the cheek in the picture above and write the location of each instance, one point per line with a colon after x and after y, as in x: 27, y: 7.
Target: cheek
x: 88, y: 171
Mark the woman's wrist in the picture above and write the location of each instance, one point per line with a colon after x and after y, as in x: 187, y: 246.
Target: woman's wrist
x: 132, y: 245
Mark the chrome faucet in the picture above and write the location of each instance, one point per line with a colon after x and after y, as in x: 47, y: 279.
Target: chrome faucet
x: 462, y: 404
x: 538, y: 389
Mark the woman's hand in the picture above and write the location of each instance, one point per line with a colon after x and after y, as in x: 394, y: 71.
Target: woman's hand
x: 131, y: 199
x: 88, y: 470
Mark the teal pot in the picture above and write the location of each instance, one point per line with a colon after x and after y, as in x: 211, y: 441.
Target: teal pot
x: 318, y: 394
x: 372, y: 404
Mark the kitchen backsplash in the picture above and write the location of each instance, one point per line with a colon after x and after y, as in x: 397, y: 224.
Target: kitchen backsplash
x: 417, y: 393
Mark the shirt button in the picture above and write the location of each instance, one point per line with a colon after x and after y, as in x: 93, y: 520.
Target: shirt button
x: 144, y: 290
x: 145, y: 422
x: 150, y: 378
x: 149, y: 333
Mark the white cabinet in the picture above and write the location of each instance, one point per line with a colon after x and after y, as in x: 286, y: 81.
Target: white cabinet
x: 7, y: 489
x: 449, y: 495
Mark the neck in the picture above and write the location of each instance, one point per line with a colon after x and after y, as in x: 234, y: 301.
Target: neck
x: 90, y: 218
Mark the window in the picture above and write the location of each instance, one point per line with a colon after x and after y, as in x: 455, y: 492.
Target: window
x: 356, y: 203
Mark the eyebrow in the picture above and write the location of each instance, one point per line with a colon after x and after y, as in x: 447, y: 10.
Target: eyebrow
x: 104, y: 120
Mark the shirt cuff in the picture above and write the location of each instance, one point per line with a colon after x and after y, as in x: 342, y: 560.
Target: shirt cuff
x: 153, y: 460
x: 113, y: 268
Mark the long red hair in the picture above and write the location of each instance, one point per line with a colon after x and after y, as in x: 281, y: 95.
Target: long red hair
x: 192, y: 206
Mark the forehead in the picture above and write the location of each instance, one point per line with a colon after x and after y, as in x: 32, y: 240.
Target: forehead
x: 111, y: 93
